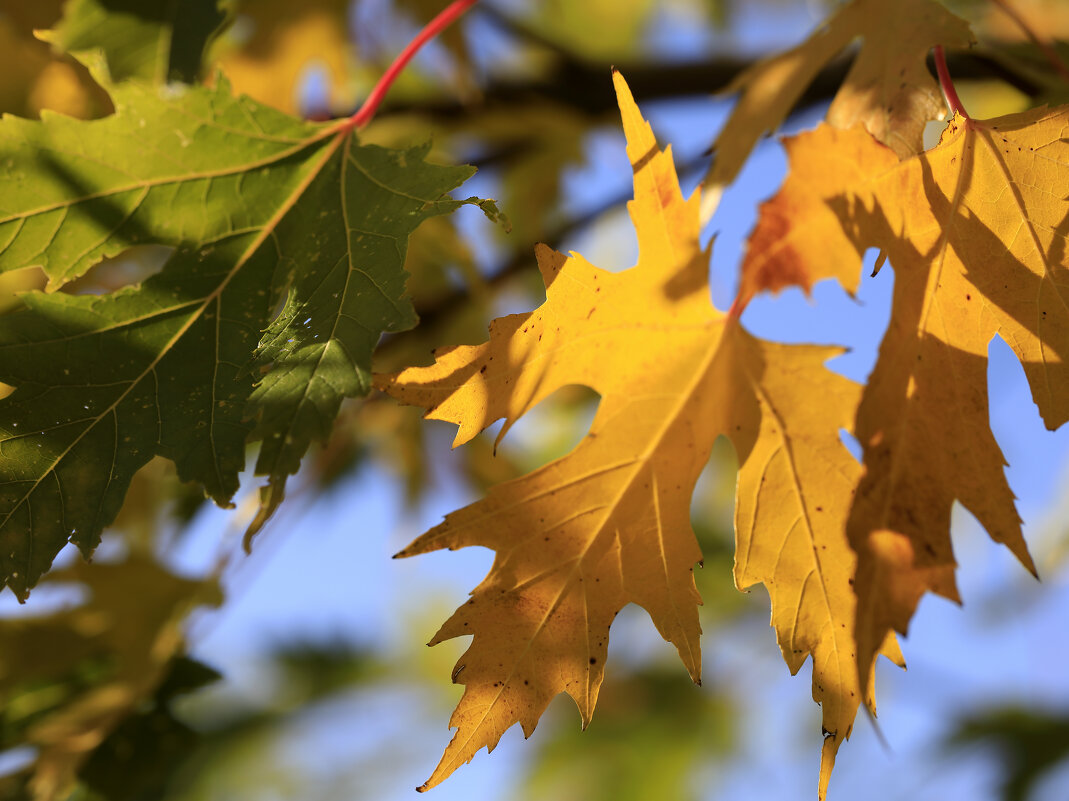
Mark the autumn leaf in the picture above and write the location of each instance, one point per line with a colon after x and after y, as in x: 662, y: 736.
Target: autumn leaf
x: 888, y: 88
x: 975, y: 230
x: 261, y: 209
x: 609, y: 523
x: 154, y: 40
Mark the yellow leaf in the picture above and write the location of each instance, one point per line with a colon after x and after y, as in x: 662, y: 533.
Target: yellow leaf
x: 975, y: 230
x: 273, y: 43
x: 888, y: 88
x: 609, y: 523
x: 793, y: 497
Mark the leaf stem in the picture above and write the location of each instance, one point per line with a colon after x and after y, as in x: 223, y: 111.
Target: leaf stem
x: 447, y: 17
x: 947, y: 84
x: 1055, y: 60
x: 738, y: 306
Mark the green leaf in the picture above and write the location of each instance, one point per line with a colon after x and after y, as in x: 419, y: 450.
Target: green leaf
x: 320, y: 345
x: 154, y: 40
x: 259, y: 206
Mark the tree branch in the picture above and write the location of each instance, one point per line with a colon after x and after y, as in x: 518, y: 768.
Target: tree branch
x: 585, y: 87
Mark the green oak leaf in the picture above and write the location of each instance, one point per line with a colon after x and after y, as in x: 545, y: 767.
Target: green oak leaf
x: 153, y: 40
x: 260, y: 208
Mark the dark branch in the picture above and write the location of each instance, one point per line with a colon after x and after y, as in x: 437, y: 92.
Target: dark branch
x: 587, y: 88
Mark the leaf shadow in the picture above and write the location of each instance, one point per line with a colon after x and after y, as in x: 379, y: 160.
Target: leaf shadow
x: 104, y: 216
x: 926, y: 405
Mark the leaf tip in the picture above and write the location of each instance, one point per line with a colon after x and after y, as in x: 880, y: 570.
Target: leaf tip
x: 1026, y: 560
x: 641, y: 142
x: 550, y: 262
x: 827, y: 764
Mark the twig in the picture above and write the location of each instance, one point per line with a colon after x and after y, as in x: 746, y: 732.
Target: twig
x: 446, y: 18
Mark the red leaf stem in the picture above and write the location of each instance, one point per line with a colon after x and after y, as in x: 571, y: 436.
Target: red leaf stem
x: 446, y: 18
x: 947, y: 84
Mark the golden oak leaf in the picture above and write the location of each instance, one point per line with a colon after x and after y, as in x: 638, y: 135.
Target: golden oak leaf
x: 975, y: 230
x: 609, y: 523
x: 888, y: 88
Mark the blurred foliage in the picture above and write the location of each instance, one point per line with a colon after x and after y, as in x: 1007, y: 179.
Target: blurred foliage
x: 1046, y: 18
x: 1027, y: 744
x: 232, y: 755
x: 666, y: 727
x: 69, y: 678
x: 651, y: 736
x: 619, y: 23
x: 272, y: 44
x: 32, y: 76
x: 137, y: 759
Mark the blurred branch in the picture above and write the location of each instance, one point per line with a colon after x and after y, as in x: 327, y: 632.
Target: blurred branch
x: 1028, y: 744
x: 585, y: 86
